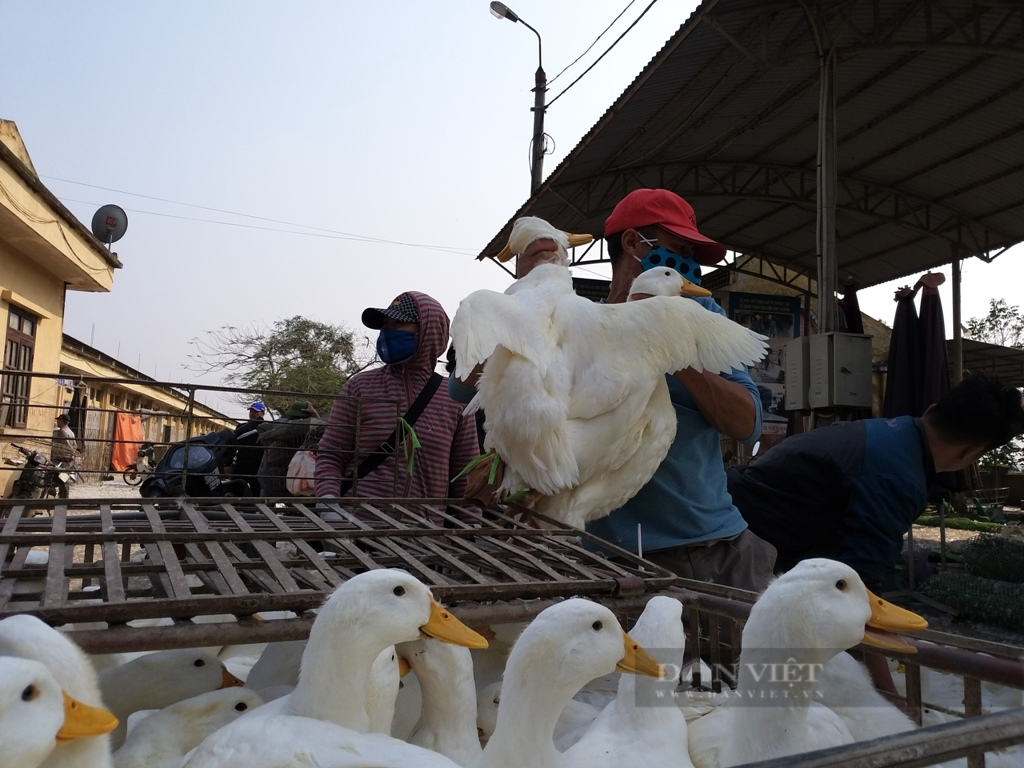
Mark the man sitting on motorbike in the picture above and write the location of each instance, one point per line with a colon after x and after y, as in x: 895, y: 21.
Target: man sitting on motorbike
x: 63, y: 447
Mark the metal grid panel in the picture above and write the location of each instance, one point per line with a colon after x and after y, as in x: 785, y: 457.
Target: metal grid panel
x: 196, y: 559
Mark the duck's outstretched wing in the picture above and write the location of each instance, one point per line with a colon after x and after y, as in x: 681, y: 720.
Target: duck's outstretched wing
x: 519, y: 320
x: 667, y: 334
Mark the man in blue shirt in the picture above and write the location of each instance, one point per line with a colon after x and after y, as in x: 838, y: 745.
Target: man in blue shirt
x: 851, y: 491
x: 686, y: 520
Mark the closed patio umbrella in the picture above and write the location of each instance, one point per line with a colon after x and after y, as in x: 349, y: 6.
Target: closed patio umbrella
x: 903, y: 380
x: 935, y: 380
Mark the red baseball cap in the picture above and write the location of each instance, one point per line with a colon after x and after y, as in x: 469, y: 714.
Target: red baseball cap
x: 644, y: 207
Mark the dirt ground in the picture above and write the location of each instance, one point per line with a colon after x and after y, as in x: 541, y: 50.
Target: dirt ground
x: 931, y: 533
x: 107, y: 489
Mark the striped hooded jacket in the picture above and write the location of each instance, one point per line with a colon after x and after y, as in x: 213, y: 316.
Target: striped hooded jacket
x: 367, y: 410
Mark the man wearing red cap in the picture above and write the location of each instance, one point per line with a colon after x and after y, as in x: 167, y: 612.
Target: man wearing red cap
x: 685, y: 516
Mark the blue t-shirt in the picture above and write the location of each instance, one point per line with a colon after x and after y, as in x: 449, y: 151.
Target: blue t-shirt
x: 687, y: 501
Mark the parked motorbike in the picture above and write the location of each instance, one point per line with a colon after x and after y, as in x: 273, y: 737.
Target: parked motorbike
x: 199, y: 460
x: 145, y: 464
x: 40, y: 478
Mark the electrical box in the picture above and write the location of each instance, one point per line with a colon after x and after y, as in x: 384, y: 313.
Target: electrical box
x: 798, y: 368
x: 840, y: 370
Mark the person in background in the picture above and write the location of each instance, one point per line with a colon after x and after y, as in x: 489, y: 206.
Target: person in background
x: 687, y: 522
x: 63, y: 446
x: 413, y: 336
x: 280, y: 440
x: 851, y: 491
x: 242, y: 459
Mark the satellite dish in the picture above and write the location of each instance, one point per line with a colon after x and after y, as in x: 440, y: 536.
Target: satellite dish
x: 109, y: 223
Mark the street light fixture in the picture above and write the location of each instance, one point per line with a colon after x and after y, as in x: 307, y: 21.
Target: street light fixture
x: 502, y: 11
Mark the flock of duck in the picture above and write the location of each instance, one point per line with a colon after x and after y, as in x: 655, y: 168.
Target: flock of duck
x: 544, y: 696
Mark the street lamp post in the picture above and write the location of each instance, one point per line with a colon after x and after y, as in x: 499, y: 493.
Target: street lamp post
x: 502, y: 11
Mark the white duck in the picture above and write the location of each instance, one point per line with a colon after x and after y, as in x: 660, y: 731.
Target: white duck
x: 364, y: 616
x: 163, y: 738
x: 803, y: 619
x: 157, y: 680
x: 846, y: 688
x: 447, y: 723
x: 277, y: 665
x: 566, y: 646
x: 489, y: 663
x: 573, y: 721
x: 642, y: 725
x: 382, y: 691
x: 27, y: 637
x: 568, y: 384
x: 526, y: 229
x: 302, y: 742
x: 36, y: 715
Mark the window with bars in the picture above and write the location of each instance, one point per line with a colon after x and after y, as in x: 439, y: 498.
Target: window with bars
x: 19, y: 349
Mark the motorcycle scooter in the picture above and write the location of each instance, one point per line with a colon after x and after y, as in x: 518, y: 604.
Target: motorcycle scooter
x: 145, y: 464
x: 40, y: 478
x: 197, y: 462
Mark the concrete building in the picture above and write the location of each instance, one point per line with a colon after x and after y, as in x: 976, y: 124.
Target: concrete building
x: 44, y: 252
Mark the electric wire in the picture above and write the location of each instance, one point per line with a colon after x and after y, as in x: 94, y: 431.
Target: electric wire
x: 609, y: 50
x: 596, y: 39
x: 327, y: 233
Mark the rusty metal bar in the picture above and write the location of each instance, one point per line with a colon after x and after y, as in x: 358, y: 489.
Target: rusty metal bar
x: 186, y: 634
x: 926, y: 746
x: 915, y: 707
x: 972, y: 708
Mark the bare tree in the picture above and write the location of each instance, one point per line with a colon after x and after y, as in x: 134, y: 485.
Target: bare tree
x: 297, y: 355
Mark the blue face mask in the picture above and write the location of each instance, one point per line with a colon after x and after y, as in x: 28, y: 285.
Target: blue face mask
x: 686, y: 266
x: 396, y: 346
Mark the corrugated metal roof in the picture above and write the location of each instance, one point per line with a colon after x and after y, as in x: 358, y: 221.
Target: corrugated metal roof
x: 929, y: 109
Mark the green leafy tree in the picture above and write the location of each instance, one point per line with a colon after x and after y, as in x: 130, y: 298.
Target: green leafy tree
x: 1003, y: 325
x: 308, y: 359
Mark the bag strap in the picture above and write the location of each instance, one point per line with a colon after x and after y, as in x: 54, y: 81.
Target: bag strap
x: 375, y: 459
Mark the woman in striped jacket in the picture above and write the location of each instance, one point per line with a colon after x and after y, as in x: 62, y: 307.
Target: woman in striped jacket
x: 413, y: 335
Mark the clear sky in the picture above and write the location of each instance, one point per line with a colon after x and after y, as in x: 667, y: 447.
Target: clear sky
x: 312, y: 158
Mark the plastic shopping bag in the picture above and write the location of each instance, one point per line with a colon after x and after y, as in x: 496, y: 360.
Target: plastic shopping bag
x: 299, y: 481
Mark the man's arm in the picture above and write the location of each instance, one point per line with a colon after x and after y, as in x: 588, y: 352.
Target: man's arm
x: 727, y: 405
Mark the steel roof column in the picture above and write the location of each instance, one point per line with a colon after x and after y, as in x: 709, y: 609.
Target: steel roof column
x: 958, y: 337
x: 826, y: 194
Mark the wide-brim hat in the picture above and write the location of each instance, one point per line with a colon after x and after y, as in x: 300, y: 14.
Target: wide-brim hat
x: 666, y: 209
x: 402, y: 309
x: 297, y: 410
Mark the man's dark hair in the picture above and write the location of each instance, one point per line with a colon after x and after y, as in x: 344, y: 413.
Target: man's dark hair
x: 980, y: 409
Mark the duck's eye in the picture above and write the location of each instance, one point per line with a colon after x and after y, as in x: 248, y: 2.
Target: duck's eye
x: 497, y: 699
x: 31, y: 693
x: 198, y: 663
x: 241, y: 706
x: 399, y: 591
x: 841, y: 585
x: 597, y: 625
